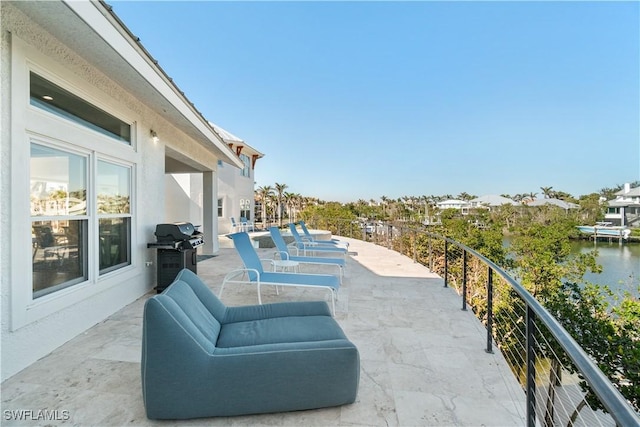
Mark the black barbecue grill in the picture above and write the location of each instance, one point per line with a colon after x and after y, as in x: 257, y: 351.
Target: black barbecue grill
x: 176, y: 244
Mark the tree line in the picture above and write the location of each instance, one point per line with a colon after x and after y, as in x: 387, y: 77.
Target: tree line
x: 275, y: 204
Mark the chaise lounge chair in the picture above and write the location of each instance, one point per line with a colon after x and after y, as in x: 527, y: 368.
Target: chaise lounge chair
x: 308, y: 236
x: 201, y: 358
x: 246, y: 224
x: 314, y: 247
x: 283, y: 251
x: 253, y: 272
x: 236, y: 226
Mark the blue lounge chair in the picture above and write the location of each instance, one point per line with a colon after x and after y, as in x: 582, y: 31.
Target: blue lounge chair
x: 246, y: 224
x: 237, y: 227
x: 308, y: 236
x: 283, y: 251
x: 314, y: 247
x: 253, y: 272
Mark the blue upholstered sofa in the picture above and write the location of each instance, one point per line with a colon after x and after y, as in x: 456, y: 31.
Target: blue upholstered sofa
x: 201, y: 358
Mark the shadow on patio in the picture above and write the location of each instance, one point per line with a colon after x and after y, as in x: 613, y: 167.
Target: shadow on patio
x: 422, y: 358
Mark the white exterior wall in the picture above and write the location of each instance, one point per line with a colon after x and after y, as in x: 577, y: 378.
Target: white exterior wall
x: 33, y: 328
x: 232, y: 187
x: 184, y: 198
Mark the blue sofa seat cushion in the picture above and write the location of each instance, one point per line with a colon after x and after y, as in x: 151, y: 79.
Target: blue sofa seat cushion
x: 279, y: 330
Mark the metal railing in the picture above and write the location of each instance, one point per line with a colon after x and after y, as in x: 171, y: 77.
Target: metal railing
x: 562, y: 384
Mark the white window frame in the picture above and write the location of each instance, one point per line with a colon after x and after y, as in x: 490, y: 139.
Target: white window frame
x: 246, y: 170
x: 32, y: 123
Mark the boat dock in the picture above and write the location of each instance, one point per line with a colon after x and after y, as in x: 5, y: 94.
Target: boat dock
x: 606, y: 231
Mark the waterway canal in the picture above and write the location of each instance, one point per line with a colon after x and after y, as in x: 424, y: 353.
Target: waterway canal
x: 620, y: 264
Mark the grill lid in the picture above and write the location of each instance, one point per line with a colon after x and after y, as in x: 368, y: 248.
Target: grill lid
x: 176, y: 231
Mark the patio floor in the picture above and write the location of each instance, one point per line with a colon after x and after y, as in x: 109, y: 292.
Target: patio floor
x: 422, y: 358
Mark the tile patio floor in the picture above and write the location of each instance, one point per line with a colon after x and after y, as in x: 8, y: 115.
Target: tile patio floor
x: 422, y: 358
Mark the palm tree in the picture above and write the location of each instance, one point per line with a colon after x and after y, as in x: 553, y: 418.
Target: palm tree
x: 297, y: 205
x: 292, y: 202
x: 263, y: 195
x: 465, y: 196
x: 547, y: 191
x: 385, y: 200
x: 280, y: 191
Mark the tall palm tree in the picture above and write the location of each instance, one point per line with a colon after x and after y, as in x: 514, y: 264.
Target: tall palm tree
x: 385, y: 200
x: 280, y: 192
x: 547, y: 191
x: 264, y: 194
x: 292, y: 202
x: 297, y: 205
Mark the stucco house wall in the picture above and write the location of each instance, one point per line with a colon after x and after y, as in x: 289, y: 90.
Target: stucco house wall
x: 32, y: 327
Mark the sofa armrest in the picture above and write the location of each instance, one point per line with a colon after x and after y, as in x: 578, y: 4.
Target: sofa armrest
x: 268, y: 311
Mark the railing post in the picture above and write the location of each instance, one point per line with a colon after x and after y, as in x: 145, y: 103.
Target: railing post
x: 446, y: 262
x: 531, y: 369
x: 464, y: 280
x: 489, y: 311
x: 430, y: 252
x: 415, y: 250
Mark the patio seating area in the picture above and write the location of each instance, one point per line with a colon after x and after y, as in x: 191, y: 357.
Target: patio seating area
x: 422, y: 357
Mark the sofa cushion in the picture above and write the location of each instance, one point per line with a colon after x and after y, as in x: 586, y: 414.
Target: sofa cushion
x: 295, y: 329
x: 204, y: 294
x: 190, y: 304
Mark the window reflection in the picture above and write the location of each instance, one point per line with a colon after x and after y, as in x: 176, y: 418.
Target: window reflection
x: 114, y: 243
x: 58, y: 184
x: 113, y: 187
x: 58, y: 254
x: 58, y: 191
x: 114, y: 182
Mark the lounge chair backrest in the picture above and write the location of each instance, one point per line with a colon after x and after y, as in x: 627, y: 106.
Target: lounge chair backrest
x: 247, y: 252
x: 304, y: 228
x: 296, y: 235
x: 278, y: 240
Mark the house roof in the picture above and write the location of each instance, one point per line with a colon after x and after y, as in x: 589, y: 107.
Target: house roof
x: 622, y: 203
x: 236, y: 142
x: 554, y: 202
x: 633, y: 192
x: 492, y: 200
x: 94, y: 31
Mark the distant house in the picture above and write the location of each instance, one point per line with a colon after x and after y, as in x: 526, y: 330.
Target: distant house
x: 92, y: 129
x: 452, y: 204
x: 554, y: 202
x: 625, y: 208
x: 490, y: 201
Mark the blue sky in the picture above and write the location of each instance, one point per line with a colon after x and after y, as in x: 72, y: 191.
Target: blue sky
x: 359, y: 100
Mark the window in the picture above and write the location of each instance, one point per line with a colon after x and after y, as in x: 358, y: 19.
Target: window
x: 56, y: 100
x: 245, y: 209
x: 246, y: 170
x: 113, y: 190
x: 59, y: 219
x: 220, y: 206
